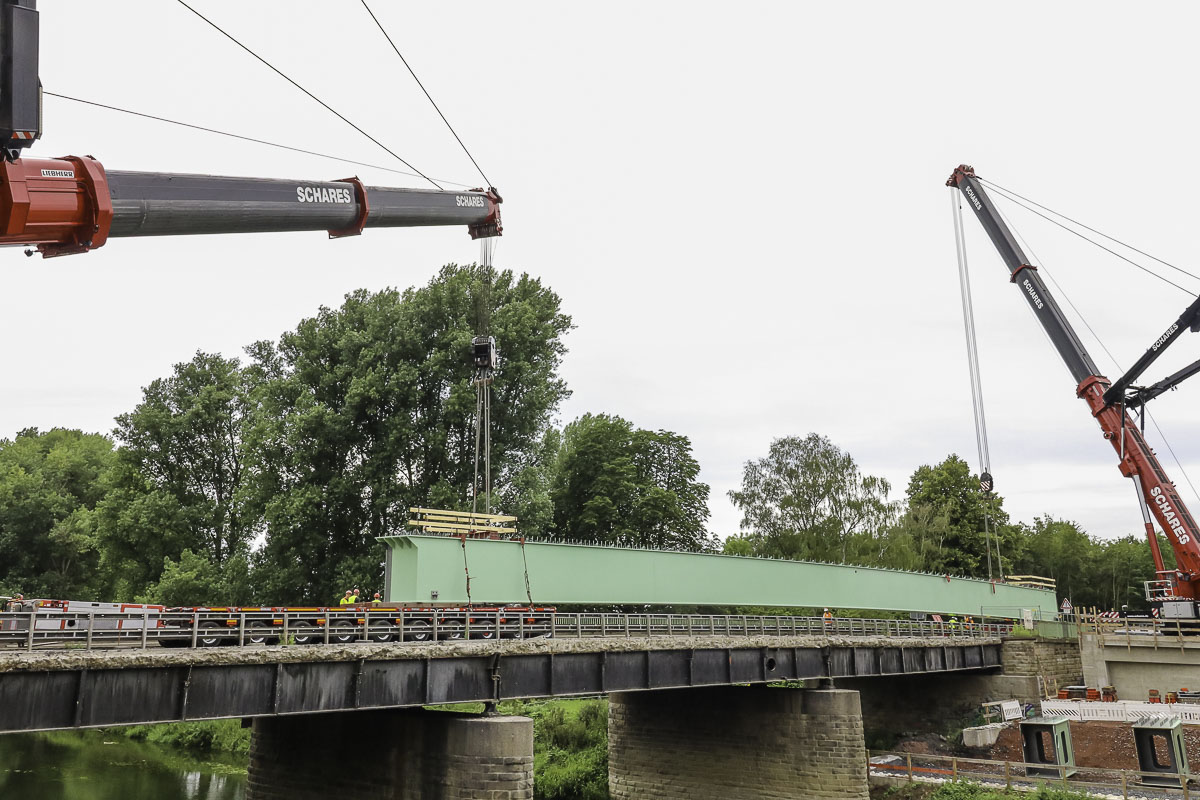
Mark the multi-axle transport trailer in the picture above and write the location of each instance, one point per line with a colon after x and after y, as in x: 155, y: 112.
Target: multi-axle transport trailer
x: 67, y: 620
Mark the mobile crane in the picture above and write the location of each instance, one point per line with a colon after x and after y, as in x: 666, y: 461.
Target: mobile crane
x: 1179, y: 589
x: 72, y: 204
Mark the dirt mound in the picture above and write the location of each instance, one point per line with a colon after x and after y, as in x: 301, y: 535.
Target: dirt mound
x: 931, y: 744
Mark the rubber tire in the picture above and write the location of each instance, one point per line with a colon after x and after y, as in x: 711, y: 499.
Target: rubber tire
x: 261, y: 634
x: 418, y: 631
x: 209, y: 641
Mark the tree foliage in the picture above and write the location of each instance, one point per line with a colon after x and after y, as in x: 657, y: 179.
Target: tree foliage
x: 807, y: 499
x: 50, y: 484
x: 617, y: 484
x: 948, y: 495
x: 368, y: 409
x: 185, y: 440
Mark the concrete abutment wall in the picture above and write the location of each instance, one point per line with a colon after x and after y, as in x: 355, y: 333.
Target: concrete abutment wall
x: 393, y: 754
x: 729, y: 743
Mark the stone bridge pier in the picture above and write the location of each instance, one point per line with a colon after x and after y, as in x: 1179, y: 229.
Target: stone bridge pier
x: 729, y: 743
x: 407, y: 754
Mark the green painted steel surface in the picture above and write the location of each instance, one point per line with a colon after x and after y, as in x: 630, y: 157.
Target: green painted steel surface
x: 423, y: 565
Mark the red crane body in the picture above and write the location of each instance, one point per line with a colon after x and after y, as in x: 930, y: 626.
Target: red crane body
x: 1108, y: 402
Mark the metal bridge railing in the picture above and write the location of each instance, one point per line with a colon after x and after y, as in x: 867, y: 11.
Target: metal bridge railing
x: 53, y: 629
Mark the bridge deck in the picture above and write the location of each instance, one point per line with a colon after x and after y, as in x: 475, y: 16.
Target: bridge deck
x: 79, y: 689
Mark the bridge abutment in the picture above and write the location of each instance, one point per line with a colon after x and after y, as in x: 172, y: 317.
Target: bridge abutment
x: 728, y: 743
x: 395, y: 754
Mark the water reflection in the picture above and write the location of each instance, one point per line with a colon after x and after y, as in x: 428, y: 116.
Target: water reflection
x: 87, y: 765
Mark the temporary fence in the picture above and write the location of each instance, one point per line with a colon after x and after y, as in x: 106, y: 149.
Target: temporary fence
x: 1119, y: 711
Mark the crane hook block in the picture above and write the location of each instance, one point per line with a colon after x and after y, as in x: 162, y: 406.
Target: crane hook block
x: 484, y: 355
x: 62, y: 205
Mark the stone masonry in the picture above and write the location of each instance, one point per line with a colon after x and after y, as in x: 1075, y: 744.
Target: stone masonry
x: 729, y: 743
x: 1058, y: 661
x: 391, y: 755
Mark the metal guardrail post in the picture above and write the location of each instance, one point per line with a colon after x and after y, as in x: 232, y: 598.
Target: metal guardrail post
x: 327, y: 616
x: 195, y: 627
x: 242, y: 629
x: 91, y: 627
x: 146, y: 628
x: 435, y: 626
x: 33, y: 624
x: 284, y: 639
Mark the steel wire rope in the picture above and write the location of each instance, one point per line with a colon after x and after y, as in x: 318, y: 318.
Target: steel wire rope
x: 1088, y: 227
x: 1109, y: 250
x: 981, y: 442
x: 1066, y: 297
x: 249, y: 139
x: 328, y: 107
x: 426, y: 91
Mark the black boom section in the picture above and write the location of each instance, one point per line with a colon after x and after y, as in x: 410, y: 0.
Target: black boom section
x: 166, y: 204
x: 1025, y: 275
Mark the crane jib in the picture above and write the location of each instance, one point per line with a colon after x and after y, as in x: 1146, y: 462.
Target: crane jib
x: 73, y: 204
x: 1137, y: 459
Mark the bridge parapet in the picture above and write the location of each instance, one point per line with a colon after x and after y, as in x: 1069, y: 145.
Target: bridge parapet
x: 41, y: 691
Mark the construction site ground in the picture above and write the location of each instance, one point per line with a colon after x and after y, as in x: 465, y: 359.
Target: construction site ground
x: 1107, y: 745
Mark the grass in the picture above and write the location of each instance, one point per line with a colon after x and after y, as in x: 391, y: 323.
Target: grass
x: 210, y: 736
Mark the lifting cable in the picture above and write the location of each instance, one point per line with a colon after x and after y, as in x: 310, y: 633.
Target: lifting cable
x: 328, y: 107
x: 1045, y: 273
x: 252, y: 139
x: 426, y: 91
x: 981, y: 442
x: 1013, y: 199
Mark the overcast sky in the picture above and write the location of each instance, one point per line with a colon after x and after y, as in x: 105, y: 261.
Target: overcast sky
x: 742, y: 206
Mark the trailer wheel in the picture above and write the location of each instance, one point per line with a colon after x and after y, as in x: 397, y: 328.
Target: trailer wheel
x: 260, y: 633
x: 382, y: 632
x: 304, y: 633
x: 417, y: 630
x: 339, y: 633
x: 451, y: 630
x: 208, y: 639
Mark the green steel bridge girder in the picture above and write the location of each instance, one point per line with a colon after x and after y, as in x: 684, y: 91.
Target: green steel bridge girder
x: 427, y: 568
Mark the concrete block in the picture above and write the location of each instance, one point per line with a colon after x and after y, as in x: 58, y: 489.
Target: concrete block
x: 983, y: 735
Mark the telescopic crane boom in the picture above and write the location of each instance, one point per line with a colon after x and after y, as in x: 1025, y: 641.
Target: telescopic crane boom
x: 72, y: 204
x: 1137, y: 461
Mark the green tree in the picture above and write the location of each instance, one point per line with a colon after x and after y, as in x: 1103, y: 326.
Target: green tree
x: 194, y: 580
x: 180, y: 479
x: 949, y: 491
x: 50, y: 484
x: 807, y: 499
x: 368, y: 409
x: 616, y: 484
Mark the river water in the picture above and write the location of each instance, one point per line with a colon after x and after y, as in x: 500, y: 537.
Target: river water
x: 93, y: 765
